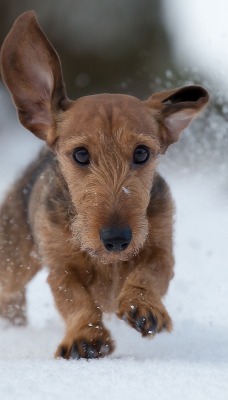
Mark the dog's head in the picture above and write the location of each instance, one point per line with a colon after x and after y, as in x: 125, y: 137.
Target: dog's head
x: 107, y: 145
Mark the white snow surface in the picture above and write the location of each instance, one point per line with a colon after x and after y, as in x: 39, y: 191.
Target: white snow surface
x: 189, y: 363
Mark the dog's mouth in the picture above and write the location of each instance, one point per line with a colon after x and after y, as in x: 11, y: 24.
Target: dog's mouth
x: 107, y: 257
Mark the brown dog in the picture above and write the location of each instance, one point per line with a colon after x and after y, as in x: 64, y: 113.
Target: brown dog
x: 92, y: 206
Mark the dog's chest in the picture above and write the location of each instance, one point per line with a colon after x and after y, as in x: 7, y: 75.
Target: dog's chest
x: 107, y: 285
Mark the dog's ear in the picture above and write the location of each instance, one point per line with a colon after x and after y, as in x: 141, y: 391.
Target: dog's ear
x: 31, y: 69
x: 175, y: 109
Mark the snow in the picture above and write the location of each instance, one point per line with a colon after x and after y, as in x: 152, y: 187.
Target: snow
x: 191, y: 362
x: 126, y: 190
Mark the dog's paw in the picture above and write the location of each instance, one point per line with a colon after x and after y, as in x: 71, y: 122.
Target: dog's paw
x: 95, y: 344
x: 83, y: 349
x: 147, y: 317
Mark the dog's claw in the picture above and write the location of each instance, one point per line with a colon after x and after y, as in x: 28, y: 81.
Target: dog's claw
x: 91, y: 350
x: 152, y: 320
x: 74, y: 354
x: 140, y: 323
x: 147, y: 325
x: 63, y: 352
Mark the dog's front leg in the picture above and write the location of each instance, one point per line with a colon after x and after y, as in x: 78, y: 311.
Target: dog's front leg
x: 86, y: 336
x: 139, y: 303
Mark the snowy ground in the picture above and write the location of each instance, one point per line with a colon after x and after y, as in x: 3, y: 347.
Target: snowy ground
x: 190, y: 363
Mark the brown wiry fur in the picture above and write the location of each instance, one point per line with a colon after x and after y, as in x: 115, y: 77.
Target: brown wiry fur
x: 54, y: 214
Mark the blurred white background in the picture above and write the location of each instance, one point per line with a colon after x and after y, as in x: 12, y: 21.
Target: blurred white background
x: 156, y: 45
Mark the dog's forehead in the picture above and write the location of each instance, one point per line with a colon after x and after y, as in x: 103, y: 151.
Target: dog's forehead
x: 109, y: 112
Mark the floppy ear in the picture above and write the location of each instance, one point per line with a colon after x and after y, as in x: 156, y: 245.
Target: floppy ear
x: 176, y: 109
x: 31, y: 69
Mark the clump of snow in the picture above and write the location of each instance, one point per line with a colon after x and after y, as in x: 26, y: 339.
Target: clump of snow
x: 126, y: 190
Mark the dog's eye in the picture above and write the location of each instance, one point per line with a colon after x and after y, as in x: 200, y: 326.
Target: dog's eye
x: 141, y: 155
x: 81, y: 156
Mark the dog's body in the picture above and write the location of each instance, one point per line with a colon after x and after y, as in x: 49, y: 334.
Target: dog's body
x: 92, y: 206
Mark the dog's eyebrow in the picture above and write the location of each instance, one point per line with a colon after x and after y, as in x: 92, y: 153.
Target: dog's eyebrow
x: 140, y: 136
x: 75, y: 140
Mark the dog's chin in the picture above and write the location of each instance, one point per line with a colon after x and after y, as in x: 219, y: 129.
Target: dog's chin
x: 105, y: 257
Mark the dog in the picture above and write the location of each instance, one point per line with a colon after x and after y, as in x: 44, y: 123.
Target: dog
x: 92, y: 206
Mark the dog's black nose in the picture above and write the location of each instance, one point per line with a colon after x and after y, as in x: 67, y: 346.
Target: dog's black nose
x: 116, y: 239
